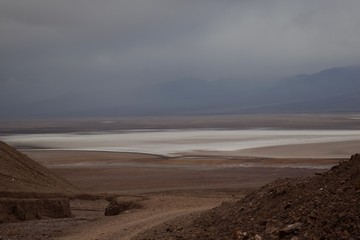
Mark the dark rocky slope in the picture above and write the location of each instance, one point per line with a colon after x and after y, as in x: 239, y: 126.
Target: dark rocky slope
x: 326, y: 206
x: 19, y: 173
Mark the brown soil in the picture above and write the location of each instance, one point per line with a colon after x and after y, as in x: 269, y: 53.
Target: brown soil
x: 325, y: 206
x: 173, y: 194
x: 156, y: 209
x: 90, y: 223
x: 142, y: 173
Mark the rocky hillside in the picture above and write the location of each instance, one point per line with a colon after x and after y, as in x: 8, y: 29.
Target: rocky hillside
x: 28, y: 190
x: 19, y: 173
x: 326, y: 206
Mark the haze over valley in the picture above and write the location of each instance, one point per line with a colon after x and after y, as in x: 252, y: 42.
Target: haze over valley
x: 169, y: 119
x: 152, y: 58
x: 333, y: 90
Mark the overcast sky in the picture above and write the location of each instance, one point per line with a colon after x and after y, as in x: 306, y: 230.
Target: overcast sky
x: 57, y: 42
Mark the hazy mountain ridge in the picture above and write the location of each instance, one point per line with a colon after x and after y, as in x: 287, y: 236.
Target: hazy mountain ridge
x: 331, y: 90
x: 334, y: 90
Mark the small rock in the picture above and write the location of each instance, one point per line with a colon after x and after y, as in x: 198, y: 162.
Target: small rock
x: 271, y: 230
x: 288, y: 205
x: 263, y: 223
x: 313, y: 215
x: 237, y: 234
x: 240, y: 235
x: 115, y: 207
x: 290, y: 229
x: 357, y: 185
x: 258, y: 237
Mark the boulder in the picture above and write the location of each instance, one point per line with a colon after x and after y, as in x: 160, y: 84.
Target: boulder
x: 116, y: 206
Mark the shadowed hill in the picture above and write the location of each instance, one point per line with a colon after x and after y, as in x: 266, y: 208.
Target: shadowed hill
x: 19, y: 173
x: 28, y: 190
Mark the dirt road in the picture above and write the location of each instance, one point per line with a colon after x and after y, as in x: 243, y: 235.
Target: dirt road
x: 156, y: 211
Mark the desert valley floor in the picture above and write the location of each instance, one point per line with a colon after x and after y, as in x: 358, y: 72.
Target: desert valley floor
x: 169, y: 187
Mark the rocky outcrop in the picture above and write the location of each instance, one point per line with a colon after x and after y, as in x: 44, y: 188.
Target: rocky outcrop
x: 325, y: 206
x: 117, y: 206
x: 13, y: 210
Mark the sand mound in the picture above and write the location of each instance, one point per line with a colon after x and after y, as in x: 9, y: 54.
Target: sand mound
x: 326, y: 206
x: 19, y: 173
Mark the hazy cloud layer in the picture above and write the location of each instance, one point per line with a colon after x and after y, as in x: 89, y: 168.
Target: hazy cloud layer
x: 62, y: 45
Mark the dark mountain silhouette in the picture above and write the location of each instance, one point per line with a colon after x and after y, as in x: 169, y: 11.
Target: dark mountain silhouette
x: 197, y: 95
x: 331, y: 90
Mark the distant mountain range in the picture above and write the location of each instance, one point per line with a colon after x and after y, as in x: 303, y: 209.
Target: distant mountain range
x: 331, y: 90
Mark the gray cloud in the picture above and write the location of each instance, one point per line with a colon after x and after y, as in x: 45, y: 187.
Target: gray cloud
x: 69, y: 43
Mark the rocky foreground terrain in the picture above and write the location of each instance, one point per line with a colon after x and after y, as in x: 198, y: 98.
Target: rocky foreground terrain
x: 325, y: 206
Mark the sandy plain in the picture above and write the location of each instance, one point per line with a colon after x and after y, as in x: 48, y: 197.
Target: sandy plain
x: 142, y: 173
x: 171, y: 188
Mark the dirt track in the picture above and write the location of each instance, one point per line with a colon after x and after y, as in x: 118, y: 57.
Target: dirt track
x: 157, y: 210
